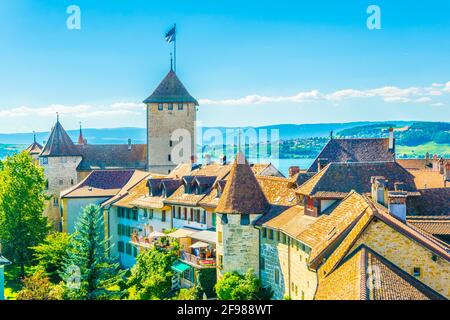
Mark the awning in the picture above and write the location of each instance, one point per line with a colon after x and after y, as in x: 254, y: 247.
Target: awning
x: 199, y: 244
x: 180, y: 267
x: 157, y: 234
x: 181, y: 233
x: 205, y: 236
x: 4, y: 261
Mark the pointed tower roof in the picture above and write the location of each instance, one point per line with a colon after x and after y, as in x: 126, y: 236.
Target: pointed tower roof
x: 81, y: 140
x: 170, y: 90
x: 34, y: 148
x: 242, y: 193
x: 59, y: 143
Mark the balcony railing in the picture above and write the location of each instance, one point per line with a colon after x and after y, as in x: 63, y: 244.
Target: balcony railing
x: 197, y: 261
x: 147, y: 242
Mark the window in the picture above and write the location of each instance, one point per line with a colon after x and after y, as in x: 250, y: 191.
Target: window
x: 169, y: 157
x: 219, y: 236
x: 180, y: 106
x: 55, y: 201
x: 150, y: 214
x: 213, y: 219
x: 120, y: 245
x: 119, y: 229
x: 163, y: 216
x: 170, y: 106
x: 135, y: 214
x: 198, y: 215
x: 303, y: 295
x: 71, y: 181
x: 224, y: 219
x: 185, y: 213
x: 416, y: 272
x: 277, y: 235
x: 283, y: 238
x: 145, y: 214
x: 245, y: 219
x: 264, y: 232
x: 128, y: 248
x: 120, y: 212
x: 44, y: 160
x: 262, y: 263
x: 170, y: 143
x: 179, y: 212
x: 204, y: 217
x: 60, y: 182
x: 191, y: 212
x: 270, y: 234
x: 310, y: 203
x: 160, y: 107
x: 220, y: 265
x: 135, y: 252
x: 277, y: 276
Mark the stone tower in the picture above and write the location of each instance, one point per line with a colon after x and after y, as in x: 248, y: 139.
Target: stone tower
x: 241, y: 204
x: 171, y: 116
x: 60, y: 159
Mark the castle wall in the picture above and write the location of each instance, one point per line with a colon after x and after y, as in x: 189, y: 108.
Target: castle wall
x: 161, y: 124
x: 239, y: 248
x: 61, y: 174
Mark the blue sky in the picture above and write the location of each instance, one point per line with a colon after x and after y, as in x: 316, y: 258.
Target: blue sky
x: 248, y: 62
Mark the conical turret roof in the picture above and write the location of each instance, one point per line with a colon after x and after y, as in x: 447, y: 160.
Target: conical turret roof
x: 34, y: 148
x: 242, y: 193
x: 59, y: 143
x: 171, y: 90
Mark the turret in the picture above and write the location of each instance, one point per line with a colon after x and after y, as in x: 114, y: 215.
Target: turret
x: 242, y: 202
x: 171, y: 116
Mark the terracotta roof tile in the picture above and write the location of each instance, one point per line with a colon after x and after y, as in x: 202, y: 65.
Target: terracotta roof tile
x: 431, y: 202
x: 170, y: 90
x: 337, y: 179
x: 349, y: 281
x: 278, y: 191
x: 435, y: 225
x: 354, y: 150
x: 242, y: 193
x: 112, y: 156
x: 105, y: 183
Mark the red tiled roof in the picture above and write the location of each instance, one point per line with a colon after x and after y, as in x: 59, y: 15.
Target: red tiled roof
x: 354, y: 150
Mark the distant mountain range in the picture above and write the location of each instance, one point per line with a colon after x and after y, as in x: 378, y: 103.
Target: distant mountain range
x: 138, y: 135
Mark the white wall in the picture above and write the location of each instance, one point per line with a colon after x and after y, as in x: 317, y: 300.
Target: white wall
x: 73, y: 210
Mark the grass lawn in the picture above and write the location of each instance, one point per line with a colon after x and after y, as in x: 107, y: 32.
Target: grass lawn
x: 421, y: 150
x: 13, y: 283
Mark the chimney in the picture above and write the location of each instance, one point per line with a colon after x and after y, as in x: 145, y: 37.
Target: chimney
x: 379, y: 190
x: 435, y: 163
x: 293, y: 170
x: 129, y: 144
x: 391, y: 147
x: 397, y: 204
x: 321, y: 163
x: 192, y: 159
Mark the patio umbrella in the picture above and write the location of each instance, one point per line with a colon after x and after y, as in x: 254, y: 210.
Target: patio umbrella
x: 157, y: 234
x: 199, y: 244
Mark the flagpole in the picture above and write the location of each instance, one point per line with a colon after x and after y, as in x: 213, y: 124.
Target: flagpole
x: 175, y: 49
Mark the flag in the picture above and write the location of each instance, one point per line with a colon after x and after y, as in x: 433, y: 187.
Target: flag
x: 170, y: 35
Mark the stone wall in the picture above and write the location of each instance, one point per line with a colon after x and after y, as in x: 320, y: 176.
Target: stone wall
x: 61, y: 174
x: 407, y: 254
x: 161, y: 124
x: 296, y: 280
x: 240, y: 245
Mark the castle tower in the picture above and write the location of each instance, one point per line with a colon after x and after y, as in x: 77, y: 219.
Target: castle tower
x: 59, y: 158
x: 34, y: 149
x: 241, y: 204
x: 171, y: 116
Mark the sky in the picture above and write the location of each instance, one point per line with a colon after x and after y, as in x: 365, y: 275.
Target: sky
x: 249, y: 63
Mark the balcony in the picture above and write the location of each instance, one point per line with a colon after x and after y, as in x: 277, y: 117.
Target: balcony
x: 196, y: 261
x: 150, y: 242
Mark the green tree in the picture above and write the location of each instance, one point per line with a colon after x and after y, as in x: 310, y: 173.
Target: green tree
x: 51, y: 253
x: 151, y: 276
x: 22, y: 197
x: 38, y: 287
x: 235, y: 286
x: 188, y: 294
x: 88, y: 271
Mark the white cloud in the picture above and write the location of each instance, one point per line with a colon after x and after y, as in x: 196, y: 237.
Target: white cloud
x: 390, y: 94
x: 438, y: 104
